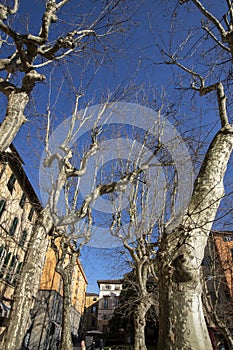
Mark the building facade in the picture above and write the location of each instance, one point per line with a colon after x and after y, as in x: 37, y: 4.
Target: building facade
x: 109, y: 292
x: 218, y: 283
x: 45, y: 330
x: 91, y: 312
x: 19, y: 208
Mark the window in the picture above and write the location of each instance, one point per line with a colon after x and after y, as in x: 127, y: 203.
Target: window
x: 22, y: 200
x: 11, y: 269
x: 2, y: 206
x: 228, y: 238
x: 13, y: 226
x: 105, y: 303
x: 231, y: 252
x: 107, y: 286
x: 23, y: 238
x: 11, y: 183
x: 94, y: 309
x: 17, y: 273
x: 2, y: 255
x: 115, y: 302
x: 5, y: 263
x: 31, y: 214
x: 206, y: 261
x: 93, y: 322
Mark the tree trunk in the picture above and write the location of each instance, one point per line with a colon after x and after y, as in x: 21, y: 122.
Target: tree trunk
x: 66, y: 341
x: 182, y: 324
x: 139, y: 325
x: 14, y: 119
x: 27, y: 285
x: 66, y: 274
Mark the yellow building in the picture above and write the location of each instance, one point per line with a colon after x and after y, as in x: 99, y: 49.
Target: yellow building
x: 19, y: 209
x: 91, y: 312
x: 47, y: 314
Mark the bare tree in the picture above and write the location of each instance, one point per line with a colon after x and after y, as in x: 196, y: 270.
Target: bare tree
x: 140, y: 237
x: 26, y: 54
x: 67, y: 253
x: 181, y: 251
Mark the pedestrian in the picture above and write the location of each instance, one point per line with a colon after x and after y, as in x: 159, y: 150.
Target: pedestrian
x: 93, y: 345
x: 101, y: 344
x: 221, y: 346
x: 83, y: 346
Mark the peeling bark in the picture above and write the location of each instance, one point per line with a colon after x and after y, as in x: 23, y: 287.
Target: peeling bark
x: 182, y: 323
x: 14, y: 118
x: 139, y: 325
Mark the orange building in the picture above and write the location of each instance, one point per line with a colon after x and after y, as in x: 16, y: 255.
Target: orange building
x: 218, y: 277
x: 224, y: 247
x: 47, y: 314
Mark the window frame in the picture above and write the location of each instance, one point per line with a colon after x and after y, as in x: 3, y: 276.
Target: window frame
x: 30, y: 215
x: 23, y: 238
x: 13, y: 226
x: 2, y: 206
x: 11, y: 183
x: 23, y: 200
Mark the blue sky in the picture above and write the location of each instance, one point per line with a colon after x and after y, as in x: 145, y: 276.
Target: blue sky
x: 131, y: 71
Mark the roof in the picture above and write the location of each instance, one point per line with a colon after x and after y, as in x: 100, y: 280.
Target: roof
x: 119, y: 281
x: 222, y: 233
x: 92, y: 294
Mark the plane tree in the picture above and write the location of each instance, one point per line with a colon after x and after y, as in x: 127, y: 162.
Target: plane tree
x: 203, y: 67
x: 27, y: 59
x: 28, y: 52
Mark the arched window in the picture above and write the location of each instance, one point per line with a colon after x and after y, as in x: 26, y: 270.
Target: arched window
x: 13, y: 226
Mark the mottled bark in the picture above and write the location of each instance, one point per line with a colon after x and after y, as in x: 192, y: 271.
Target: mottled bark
x: 17, y: 100
x: 27, y: 285
x: 14, y: 118
x: 181, y: 321
x: 140, y: 324
x: 182, y: 324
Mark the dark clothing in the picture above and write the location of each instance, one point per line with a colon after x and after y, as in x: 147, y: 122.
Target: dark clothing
x: 101, y: 344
